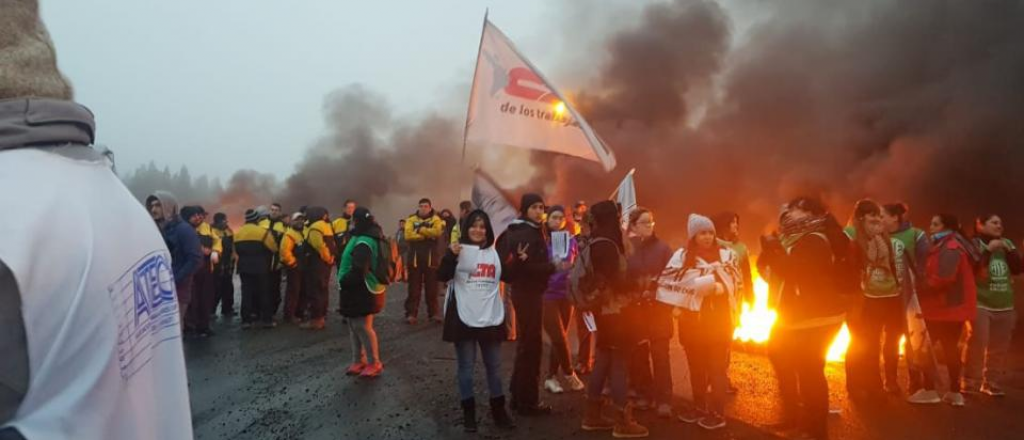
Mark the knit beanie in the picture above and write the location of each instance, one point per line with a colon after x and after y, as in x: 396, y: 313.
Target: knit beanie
x: 251, y: 216
x: 528, y: 200
x: 697, y: 224
x: 28, y: 60
x: 556, y: 208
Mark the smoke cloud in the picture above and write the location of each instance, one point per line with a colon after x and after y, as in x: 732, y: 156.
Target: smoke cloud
x: 897, y: 100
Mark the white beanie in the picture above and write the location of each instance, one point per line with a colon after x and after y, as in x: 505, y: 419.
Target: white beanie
x: 28, y: 61
x: 697, y: 224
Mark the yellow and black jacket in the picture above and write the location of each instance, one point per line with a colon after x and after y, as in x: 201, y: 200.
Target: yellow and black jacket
x: 422, y: 234
x: 340, y: 226
x: 320, y: 244
x: 291, y: 249
x: 256, y: 249
x: 227, y: 240
x: 210, y: 242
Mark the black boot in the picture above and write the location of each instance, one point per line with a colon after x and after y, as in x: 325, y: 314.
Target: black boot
x: 500, y: 415
x: 469, y: 415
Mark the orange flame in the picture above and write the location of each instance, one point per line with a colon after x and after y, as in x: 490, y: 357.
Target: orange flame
x: 757, y: 320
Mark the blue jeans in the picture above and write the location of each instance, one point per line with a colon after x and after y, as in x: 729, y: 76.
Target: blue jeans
x: 465, y: 354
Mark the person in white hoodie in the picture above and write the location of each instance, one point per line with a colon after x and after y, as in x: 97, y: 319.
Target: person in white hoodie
x: 704, y: 281
x: 90, y: 340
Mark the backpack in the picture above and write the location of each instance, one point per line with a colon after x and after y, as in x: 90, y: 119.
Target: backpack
x: 384, y: 268
x: 586, y: 290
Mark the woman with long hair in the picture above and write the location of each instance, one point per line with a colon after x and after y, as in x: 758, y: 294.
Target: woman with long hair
x: 707, y: 274
x: 948, y: 301
x: 474, y: 314
x: 650, y: 369
x: 992, y: 326
x: 557, y: 308
x: 362, y: 294
x: 880, y: 309
x: 615, y: 336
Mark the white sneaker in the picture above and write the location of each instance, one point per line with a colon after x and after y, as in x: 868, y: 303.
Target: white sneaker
x: 553, y: 386
x: 575, y: 384
x: 955, y: 399
x: 925, y: 397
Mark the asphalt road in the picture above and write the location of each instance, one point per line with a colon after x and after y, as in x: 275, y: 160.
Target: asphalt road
x: 289, y: 383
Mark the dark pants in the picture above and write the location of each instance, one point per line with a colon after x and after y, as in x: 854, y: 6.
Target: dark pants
x: 525, y: 384
x: 318, y: 277
x: 651, y: 370
x: 184, y: 296
x: 585, y: 353
x: 879, y: 316
x: 274, y: 291
x: 422, y: 282
x: 611, y: 367
x: 293, y: 293
x: 947, y: 333
x: 798, y: 357
x: 556, y: 324
x: 708, y: 360
x: 255, y: 298
x: 199, y: 309
x: 225, y: 295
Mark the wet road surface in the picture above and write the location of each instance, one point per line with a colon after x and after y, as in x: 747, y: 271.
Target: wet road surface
x: 289, y: 383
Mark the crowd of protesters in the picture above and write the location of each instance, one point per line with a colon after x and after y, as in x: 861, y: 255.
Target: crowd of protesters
x: 628, y: 295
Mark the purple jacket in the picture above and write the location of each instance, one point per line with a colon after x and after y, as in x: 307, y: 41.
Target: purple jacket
x: 558, y: 284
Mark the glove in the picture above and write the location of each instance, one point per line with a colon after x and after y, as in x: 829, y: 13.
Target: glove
x: 215, y: 257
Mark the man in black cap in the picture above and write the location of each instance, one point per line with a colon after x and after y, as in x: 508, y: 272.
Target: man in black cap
x: 225, y: 269
x: 256, y: 248
x: 527, y: 269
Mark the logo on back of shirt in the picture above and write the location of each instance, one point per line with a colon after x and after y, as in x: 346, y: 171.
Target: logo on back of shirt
x: 146, y: 311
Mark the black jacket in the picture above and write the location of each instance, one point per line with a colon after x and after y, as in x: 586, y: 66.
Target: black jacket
x: 530, y: 276
x: 808, y: 285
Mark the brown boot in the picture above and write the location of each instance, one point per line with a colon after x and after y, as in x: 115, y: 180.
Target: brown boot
x: 626, y: 426
x: 593, y: 419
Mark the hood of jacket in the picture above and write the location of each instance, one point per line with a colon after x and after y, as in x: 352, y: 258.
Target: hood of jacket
x: 469, y: 220
x: 169, y: 203
x: 28, y: 122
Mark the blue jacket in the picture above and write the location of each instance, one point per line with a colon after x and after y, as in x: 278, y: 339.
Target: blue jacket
x: 186, y: 253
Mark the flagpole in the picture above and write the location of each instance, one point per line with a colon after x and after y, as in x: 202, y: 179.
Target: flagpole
x: 472, y: 90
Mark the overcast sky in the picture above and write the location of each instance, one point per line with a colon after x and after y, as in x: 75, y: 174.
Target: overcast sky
x: 225, y: 84
x: 220, y: 85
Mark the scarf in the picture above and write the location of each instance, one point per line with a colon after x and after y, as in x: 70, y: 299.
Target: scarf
x: 791, y: 231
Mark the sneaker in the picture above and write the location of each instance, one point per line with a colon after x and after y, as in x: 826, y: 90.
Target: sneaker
x: 970, y: 386
x: 372, y: 371
x: 355, y: 369
x: 411, y: 320
x: 712, y: 422
x: 437, y: 320
x: 925, y: 397
x: 553, y: 386
x: 314, y: 324
x: 575, y: 384
x: 268, y: 325
x: 691, y: 415
x: 991, y: 389
x: 246, y: 325
x: 665, y: 411
x: 954, y: 399
x: 642, y: 404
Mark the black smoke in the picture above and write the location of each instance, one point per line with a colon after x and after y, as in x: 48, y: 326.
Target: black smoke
x: 897, y: 100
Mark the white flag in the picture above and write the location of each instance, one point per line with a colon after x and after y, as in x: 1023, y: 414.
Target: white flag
x: 512, y: 104
x: 489, y: 198
x: 626, y: 196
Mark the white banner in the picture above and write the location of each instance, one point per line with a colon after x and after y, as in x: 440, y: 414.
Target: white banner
x: 626, y: 196
x: 489, y: 198
x: 512, y: 104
